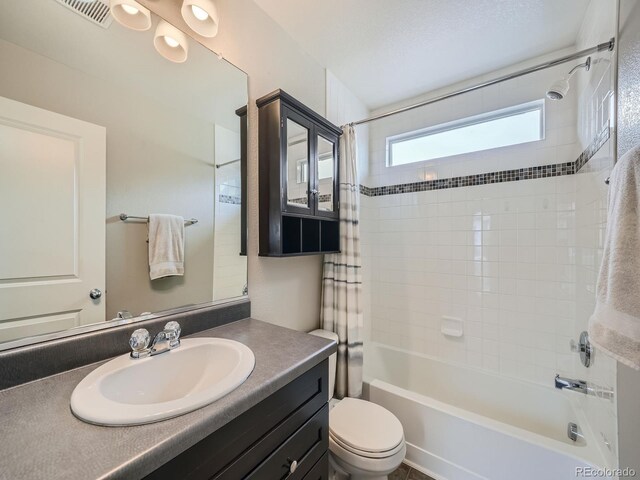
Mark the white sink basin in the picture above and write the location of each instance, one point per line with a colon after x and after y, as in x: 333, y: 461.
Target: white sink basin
x: 125, y: 391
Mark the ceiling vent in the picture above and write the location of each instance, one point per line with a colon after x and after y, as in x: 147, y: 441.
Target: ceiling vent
x: 96, y: 11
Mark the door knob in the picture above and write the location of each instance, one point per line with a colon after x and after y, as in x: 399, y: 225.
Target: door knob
x: 95, y: 294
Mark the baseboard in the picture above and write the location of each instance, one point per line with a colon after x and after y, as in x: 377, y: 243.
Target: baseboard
x: 429, y: 464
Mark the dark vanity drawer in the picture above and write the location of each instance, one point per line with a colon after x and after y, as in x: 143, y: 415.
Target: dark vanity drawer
x: 305, y: 447
x: 235, y: 450
x: 320, y: 470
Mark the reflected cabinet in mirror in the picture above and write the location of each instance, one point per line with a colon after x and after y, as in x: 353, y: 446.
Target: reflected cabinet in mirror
x: 299, y: 201
x: 94, y: 124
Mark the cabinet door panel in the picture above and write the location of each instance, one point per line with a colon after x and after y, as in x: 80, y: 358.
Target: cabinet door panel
x: 304, y: 448
x: 296, y: 164
x: 326, y: 174
x: 320, y: 470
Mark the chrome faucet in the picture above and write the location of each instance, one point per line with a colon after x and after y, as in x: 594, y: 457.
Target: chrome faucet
x: 571, y: 384
x: 166, y: 340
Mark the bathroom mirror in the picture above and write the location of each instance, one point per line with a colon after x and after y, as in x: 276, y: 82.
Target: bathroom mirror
x: 94, y: 123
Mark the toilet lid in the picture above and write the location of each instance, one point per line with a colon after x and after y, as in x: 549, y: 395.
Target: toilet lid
x: 365, y: 426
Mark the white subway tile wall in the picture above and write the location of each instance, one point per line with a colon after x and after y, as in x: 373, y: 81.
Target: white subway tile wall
x: 500, y: 257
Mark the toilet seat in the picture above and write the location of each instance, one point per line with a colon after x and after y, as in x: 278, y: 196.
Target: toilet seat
x: 366, y: 454
x: 359, y: 466
x: 365, y: 429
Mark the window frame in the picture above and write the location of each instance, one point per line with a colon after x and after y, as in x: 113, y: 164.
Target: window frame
x: 533, y: 106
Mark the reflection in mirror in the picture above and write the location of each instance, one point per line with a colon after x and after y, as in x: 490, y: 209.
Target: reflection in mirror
x: 94, y: 123
x: 326, y: 162
x: 297, y: 164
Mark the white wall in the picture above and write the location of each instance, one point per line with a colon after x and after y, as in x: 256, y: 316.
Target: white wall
x: 559, y: 145
x: 284, y: 291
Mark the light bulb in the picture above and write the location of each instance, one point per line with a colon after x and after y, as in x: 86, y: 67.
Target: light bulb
x: 131, y: 10
x: 199, y: 13
x: 172, y: 42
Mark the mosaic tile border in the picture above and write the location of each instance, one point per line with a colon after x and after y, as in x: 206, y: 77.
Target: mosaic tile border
x: 325, y: 197
x: 529, y: 173
x: 593, y: 148
x: 232, y: 199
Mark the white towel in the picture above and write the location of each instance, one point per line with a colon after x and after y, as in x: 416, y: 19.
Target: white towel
x: 614, y: 326
x: 166, y: 245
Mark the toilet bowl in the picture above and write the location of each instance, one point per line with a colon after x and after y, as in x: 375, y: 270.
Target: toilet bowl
x: 366, y: 441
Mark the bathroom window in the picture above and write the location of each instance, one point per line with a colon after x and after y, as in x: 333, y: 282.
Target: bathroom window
x: 499, y: 128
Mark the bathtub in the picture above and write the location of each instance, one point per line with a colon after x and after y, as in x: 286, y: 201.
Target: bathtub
x: 462, y: 423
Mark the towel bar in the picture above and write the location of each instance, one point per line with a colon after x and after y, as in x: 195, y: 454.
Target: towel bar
x: 124, y: 217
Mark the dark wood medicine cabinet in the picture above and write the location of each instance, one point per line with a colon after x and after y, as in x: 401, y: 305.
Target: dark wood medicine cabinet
x: 299, y: 179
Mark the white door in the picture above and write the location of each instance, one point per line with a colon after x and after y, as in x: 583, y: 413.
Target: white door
x: 52, y: 221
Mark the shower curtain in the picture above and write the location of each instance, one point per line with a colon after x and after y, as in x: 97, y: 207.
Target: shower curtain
x: 342, y: 277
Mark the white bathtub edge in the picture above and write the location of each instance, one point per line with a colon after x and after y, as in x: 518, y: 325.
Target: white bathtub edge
x: 477, y: 419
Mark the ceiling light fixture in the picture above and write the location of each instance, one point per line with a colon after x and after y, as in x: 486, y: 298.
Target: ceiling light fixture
x: 201, y: 16
x: 170, y: 42
x: 131, y: 14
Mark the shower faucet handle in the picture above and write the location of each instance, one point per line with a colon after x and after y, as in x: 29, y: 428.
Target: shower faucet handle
x: 584, y: 348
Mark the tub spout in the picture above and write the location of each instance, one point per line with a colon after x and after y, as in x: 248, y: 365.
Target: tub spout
x: 571, y: 384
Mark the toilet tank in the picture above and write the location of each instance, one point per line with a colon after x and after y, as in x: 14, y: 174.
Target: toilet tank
x: 332, y: 359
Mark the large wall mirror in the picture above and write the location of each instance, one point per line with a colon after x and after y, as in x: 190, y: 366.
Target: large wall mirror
x: 94, y: 123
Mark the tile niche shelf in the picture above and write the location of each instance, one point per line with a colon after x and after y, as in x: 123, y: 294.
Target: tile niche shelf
x: 298, y: 155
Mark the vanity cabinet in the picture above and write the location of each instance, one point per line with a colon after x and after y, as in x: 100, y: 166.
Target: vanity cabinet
x: 299, y: 179
x: 284, y: 436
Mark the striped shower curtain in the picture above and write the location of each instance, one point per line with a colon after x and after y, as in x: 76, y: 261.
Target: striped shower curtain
x: 342, y: 277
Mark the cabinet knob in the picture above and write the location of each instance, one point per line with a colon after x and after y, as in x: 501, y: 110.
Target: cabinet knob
x: 292, y: 465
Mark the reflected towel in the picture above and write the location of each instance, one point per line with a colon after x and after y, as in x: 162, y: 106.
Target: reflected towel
x: 166, y: 245
x: 614, y: 326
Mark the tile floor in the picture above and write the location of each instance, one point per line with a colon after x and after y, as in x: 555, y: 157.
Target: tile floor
x: 405, y: 472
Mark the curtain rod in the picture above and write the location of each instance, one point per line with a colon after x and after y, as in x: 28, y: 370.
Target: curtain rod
x: 583, y: 53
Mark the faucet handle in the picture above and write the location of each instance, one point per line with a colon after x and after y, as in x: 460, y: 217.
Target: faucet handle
x: 139, y: 343
x: 172, y: 330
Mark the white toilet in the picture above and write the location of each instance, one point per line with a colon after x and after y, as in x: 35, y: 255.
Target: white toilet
x: 366, y: 441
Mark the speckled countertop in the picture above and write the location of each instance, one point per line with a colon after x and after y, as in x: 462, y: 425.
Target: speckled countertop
x: 41, y: 439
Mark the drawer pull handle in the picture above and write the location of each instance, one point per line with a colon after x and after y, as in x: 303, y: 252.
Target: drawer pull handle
x: 292, y: 465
